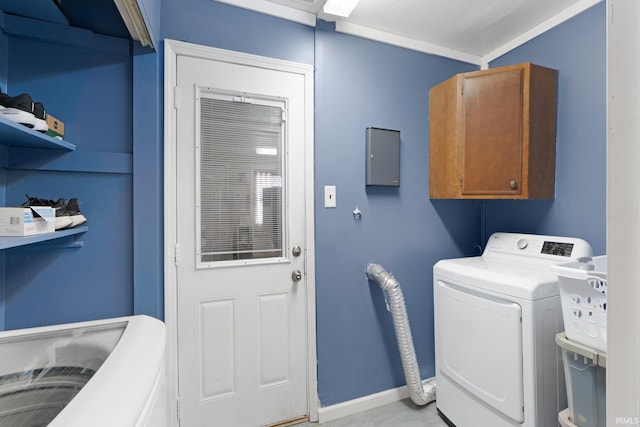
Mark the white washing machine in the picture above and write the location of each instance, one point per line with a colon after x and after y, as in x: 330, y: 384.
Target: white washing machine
x: 101, y: 373
x: 496, y: 318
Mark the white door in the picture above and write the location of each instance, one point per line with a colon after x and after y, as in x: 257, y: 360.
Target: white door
x: 240, y: 232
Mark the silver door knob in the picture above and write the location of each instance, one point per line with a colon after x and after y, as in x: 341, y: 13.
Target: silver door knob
x: 513, y: 185
x: 296, y: 251
x: 296, y: 275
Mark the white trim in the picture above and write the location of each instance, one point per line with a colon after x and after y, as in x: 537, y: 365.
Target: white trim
x: 623, y: 213
x: 482, y: 61
x: 309, y: 18
x: 554, y: 21
x: 313, y: 400
x: 361, y: 404
x: 274, y: 9
x: 406, y: 42
x: 170, y: 271
x: 173, y: 49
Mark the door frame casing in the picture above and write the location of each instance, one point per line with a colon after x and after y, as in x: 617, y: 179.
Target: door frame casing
x: 173, y: 49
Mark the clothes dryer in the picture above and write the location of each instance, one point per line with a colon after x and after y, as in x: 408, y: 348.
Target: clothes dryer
x: 496, y: 318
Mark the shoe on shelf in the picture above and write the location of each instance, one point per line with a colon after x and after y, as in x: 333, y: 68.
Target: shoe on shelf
x: 18, y: 108
x: 20, y: 102
x: 4, y: 99
x: 23, y: 110
x: 63, y: 219
x: 35, y: 201
x: 74, y: 211
x: 40, y: 117
x: 19, y: 116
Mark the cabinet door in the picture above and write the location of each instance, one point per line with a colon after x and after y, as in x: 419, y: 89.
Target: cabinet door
x: 492, y: 135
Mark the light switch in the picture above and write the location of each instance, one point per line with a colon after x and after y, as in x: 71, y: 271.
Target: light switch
x: 329, y: 196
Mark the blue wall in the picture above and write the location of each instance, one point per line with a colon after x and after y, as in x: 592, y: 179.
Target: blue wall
x: 361, y: 83
x: 148, y: 185
x: 577, y: 49
x: 210, y: 23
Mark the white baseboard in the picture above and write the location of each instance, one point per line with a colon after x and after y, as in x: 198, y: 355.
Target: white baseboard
x: 333, y: 412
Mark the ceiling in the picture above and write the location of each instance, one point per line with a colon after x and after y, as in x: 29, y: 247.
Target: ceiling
x: 474, y: 31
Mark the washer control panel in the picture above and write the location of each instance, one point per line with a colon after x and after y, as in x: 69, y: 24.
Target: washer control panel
x: 537, y: 246
x: 557, y: 248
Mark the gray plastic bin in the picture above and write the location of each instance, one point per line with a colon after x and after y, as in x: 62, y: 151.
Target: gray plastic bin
x: 585, y: 372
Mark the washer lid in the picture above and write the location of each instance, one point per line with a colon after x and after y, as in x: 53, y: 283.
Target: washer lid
x: 522, y: 279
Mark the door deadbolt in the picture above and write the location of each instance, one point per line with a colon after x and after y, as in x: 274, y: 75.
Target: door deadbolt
x: 296, y: 251
x: 296, y: 275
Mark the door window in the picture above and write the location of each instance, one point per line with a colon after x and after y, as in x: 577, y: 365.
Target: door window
x: 240, y: 164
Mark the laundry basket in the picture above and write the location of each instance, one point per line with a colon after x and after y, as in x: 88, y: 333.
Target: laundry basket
x: 583, y: 295
x: 585, y: 374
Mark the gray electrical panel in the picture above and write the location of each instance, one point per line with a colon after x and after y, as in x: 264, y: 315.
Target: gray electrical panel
x: 383, y: 157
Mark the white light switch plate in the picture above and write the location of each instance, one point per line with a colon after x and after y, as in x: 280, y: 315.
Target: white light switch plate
x: 329, y: 196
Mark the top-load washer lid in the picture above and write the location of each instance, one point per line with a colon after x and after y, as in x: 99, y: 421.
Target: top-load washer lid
x: 43, y: 369
x: 104, y: 371
x: 515, y: 265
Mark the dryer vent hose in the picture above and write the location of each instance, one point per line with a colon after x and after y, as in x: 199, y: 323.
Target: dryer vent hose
x: 420, y: 393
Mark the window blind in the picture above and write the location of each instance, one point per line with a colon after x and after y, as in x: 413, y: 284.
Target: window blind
x: 241, y: 179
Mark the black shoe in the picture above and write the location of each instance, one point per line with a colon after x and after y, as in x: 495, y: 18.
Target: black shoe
x: 34, y: 201
x: 3, y: 99
x: 40, y: 115
x: 18, y: 109
x: 21, y: 102
x: 74, y: 211
x: 39, y: 111
x: 63, y: 219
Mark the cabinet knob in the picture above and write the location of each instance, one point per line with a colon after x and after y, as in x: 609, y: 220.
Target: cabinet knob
x: 513, y: 185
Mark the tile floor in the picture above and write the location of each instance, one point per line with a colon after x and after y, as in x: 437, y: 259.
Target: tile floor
x: 398, y: 414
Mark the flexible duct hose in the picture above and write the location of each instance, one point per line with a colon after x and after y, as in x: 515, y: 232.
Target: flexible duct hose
x: 420, y: 394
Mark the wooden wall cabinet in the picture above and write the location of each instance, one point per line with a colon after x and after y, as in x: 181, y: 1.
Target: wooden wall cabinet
x: 493, y: 134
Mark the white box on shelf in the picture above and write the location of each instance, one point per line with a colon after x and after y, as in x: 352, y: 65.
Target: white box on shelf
x: 26, y: 221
